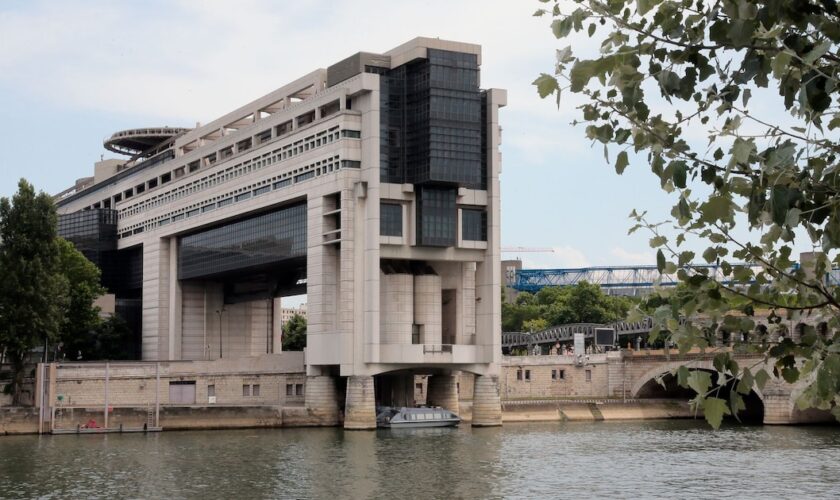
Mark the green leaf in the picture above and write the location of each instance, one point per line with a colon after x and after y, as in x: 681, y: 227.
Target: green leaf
x: 581, y: 73
x: 717, y: 208
x: 682, y: 376
x: 700, y: 381
x: 546, y: 85
x: 680, y: 170
x: 562, y: 27
x: 660, y: 260
x: 658, y: 241
x: 761, y: 378
x: 621, y: 162
x: 714, y: 409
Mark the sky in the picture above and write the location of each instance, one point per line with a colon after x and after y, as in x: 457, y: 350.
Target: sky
x: 73, y: 72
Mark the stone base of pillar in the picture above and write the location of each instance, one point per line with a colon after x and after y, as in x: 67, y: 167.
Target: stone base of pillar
x: 321, y: 400
x: 360, y: 408
x: 487, y: 407
x: 443, y: 391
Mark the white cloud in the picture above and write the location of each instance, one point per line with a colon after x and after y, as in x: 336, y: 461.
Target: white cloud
x: 562, y: 257
x: 624, y: 257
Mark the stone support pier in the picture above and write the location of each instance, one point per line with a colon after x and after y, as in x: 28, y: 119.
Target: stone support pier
x: 443, y: 392
x: 360, y: 409
x: 322, y: 399
x: 487, y: 407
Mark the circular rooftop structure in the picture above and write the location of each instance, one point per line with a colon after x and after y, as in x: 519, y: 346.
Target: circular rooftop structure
x: 137, y: 140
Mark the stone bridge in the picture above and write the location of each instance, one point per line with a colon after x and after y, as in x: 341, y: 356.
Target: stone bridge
x: 636, y: 374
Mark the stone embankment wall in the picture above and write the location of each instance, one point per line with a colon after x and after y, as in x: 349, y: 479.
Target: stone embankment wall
x: 274, y: 379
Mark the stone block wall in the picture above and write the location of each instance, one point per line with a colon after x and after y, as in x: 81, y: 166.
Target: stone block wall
x: 530, y: 377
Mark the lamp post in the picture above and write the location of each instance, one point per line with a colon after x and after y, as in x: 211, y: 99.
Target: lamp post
x: 219, y: 312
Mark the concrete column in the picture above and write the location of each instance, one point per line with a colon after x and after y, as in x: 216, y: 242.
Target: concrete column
x: 487, y: 406
x: 321, y: 399
x: 443, y: 392
x: 360, y: 408
x: 175, y: 303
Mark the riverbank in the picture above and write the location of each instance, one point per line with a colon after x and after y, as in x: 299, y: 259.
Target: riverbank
x: 208, y: 417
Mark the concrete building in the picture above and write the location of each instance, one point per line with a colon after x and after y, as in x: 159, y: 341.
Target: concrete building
x: 372, y: 186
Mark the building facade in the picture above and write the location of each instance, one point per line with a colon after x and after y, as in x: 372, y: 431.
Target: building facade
x: 371, y: 186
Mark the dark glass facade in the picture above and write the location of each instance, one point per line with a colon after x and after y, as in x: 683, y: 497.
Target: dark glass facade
x: 474, y: 224
x: 436, y: 216
x: 248, y: 244
x: 92, y: 232
x: 433, y: 135
x: 431, y: 125
x: 390, y: 219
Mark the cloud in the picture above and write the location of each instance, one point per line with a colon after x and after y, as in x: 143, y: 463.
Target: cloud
x: 625, y: 257
x: 562, y: 257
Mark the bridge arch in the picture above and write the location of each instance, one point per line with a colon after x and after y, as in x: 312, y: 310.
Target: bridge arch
x: 647, y: 386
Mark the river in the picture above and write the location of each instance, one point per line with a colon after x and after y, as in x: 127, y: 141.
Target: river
x: 652, y: 459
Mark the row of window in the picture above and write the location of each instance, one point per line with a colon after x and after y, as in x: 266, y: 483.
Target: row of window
x: 473, y: 221
x: 279, y: 154
x: 556, y: 374
x: 253, y: 390
x: 307, y: 172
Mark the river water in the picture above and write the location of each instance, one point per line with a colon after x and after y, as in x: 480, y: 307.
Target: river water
x: 652, y: 459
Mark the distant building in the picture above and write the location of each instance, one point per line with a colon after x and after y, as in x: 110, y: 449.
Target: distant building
x: 286, y: 313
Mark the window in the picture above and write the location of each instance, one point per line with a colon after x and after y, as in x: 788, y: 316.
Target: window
x: 415, y: 333
x: 246, y: 390
x: 255, y: 390
x: 390, y: 219
x: 589, y: 375
x: 211, y: 391
x: 282, y: 184
x: 474, y: 224
x: 304, y: 176
x: 353, y: 134
x: 298, y: 389
x: 561, y: 374
x: 528, y: 375
x: 518, y: 374
x: 290, y: 389
x: 553, y: 374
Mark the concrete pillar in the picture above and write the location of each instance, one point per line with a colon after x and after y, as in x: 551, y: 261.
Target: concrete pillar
x: 427, y: 307
x: 360, y: 408
x: 487, y: 407
x: 443, y: 392
x: 321, y: 399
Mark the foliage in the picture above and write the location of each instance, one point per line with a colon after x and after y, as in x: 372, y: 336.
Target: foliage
x: 81, y: 317
x: 33, y: 292
x: 108, y: 339
x: 294, y: 333
x: 759, y: 80
x: 582, y: 303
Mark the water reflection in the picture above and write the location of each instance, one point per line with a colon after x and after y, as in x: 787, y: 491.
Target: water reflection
x: 665, y: 459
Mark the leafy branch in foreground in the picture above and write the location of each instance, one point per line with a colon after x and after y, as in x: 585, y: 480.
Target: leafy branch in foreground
x: 758, y: 79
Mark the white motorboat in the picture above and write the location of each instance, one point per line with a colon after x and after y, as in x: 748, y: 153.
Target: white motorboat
x: 405, y: 417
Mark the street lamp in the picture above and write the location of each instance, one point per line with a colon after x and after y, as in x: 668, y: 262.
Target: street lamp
x: 219, y: 312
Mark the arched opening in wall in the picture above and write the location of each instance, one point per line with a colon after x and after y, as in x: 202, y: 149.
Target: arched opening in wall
x: 668, y: 388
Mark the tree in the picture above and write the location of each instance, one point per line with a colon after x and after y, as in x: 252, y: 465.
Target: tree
x: 294, y: 333
x: 81, y: 318
x: 581, y: 303
x: 759, y: 79
x: 32, y: 290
